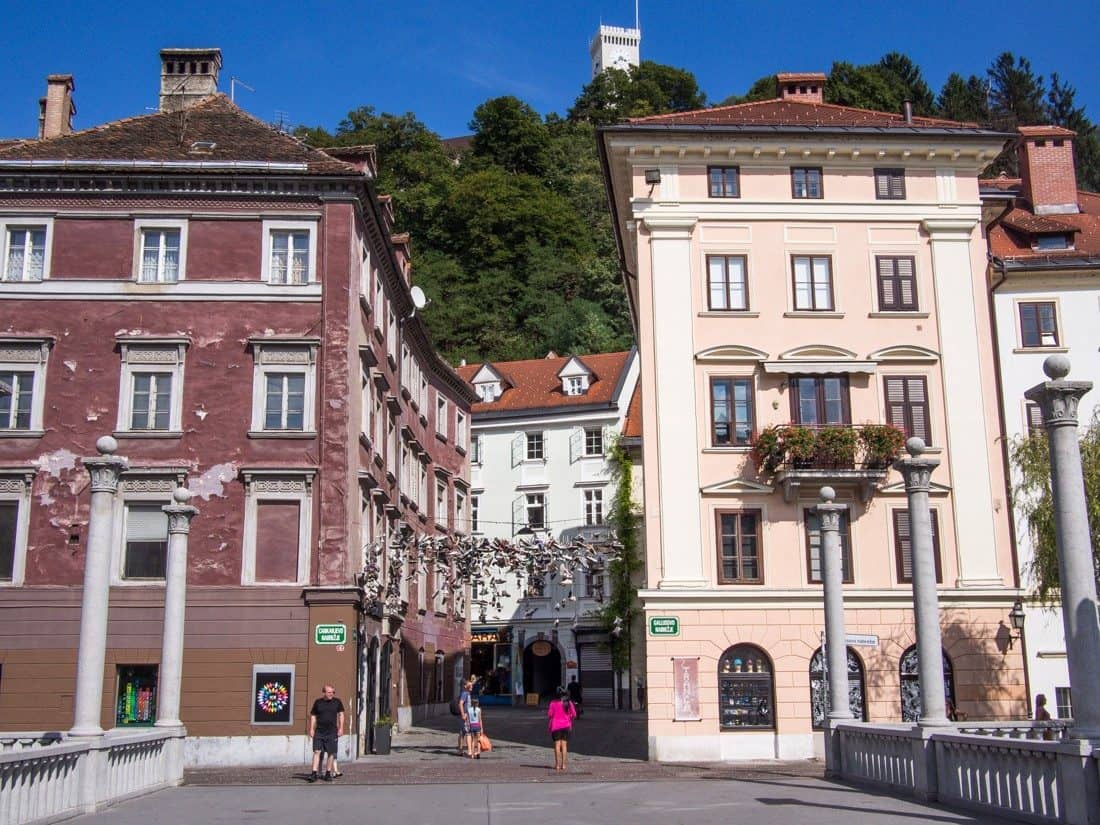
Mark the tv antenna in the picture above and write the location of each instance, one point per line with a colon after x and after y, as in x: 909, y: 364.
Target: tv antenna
x: 234, y: 82
x: 281, y: 118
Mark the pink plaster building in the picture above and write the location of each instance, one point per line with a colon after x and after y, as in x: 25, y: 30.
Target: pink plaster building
x: 235, y: 308
x: 800, y: 275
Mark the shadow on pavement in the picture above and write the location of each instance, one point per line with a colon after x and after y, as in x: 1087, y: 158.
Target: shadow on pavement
x: 600, y: 732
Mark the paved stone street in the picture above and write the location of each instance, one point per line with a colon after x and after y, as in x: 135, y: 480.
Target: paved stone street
x: 608, y: 781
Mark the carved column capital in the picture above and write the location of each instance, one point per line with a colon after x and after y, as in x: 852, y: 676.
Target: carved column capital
x: 916, y: 471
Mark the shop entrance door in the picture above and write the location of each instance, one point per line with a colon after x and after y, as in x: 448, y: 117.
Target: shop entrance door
x: 597, y: 677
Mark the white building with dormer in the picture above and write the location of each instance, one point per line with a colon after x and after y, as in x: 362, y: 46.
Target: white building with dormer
x: 540, y: 433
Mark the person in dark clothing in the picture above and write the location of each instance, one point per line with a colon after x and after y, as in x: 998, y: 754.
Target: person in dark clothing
x: 326, y: 726
x: 574, y: 688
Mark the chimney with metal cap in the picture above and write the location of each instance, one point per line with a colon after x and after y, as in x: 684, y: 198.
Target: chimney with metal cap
x: 907, y: 110
x: 187, y: 77
x: 56, y: 109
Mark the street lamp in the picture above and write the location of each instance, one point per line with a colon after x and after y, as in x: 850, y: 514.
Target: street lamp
x: 1017, y: 617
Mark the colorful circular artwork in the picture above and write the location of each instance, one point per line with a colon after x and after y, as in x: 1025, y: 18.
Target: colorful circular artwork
x: 272, y: 697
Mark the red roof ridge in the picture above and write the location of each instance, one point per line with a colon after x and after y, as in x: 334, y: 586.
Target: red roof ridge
x: 918, y: 120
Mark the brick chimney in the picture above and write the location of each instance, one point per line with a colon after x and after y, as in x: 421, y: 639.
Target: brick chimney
x: 187, y: 76
x: 802, y: 87
x: 1047, y: 172
x: 56, y: 109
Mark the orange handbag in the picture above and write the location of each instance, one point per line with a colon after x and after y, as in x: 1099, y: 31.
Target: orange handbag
x: 484, y: 743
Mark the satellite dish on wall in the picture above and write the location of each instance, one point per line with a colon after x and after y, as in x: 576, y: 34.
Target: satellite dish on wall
x: 419, y: 299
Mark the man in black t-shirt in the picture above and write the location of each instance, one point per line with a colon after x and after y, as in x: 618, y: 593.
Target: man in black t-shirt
x: 326, y: 726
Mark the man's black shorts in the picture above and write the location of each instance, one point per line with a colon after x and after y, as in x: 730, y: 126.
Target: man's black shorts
x: 326, y: 743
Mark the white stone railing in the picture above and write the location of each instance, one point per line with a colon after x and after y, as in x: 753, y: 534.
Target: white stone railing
x: 28, y: 740
x: 1053, y: 730
x: 881, y: 754
x: 84, y: 775
x: 1001, y: 771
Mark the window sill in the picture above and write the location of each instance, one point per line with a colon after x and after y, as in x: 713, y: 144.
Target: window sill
x: 745, y: 449
x: 137, y: 583
x: 292, y: 435
x: 148, y: 434
x: 812, y: 313
x: 22, y: 433
x: 1038, y: 350
x: 441, y: 437
x: 727, y: 313
x: 901, y: 313
x: 460, y: 449
x: 137, y: 282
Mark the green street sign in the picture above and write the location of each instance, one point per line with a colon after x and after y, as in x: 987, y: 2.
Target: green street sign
x: 330, y: 634
x: 664, y: 626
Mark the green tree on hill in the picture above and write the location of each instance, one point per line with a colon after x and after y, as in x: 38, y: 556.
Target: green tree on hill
x: 646, y: 89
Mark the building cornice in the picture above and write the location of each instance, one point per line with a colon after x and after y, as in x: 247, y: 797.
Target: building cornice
x: 756, y: 598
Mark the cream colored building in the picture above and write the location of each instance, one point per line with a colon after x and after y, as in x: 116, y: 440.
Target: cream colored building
x: 789, y: 261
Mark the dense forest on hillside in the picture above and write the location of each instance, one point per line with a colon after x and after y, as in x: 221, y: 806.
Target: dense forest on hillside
x: 511, y: 234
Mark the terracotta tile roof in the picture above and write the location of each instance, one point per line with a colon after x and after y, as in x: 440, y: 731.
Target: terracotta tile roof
x: 632, y: 426
x: 535, y: 385
x: 1002, y: 182
x: 169, y: 136
x: 1011, y: 236
x: 1026, y: 221
x: 781, y: 112
x: 1045, y: 131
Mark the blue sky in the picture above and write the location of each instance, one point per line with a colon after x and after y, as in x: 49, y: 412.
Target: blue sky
x: 316, y: 60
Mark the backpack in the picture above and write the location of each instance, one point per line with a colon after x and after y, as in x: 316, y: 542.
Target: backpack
x: 455, y: 711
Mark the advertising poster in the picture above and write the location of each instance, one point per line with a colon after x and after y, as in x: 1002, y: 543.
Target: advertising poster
x: 685, y: 689
x: 272, y: 695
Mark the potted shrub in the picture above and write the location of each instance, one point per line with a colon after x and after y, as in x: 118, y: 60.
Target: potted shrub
x: 383, y: 730
x: 801, y: 444
x: 767, y: 450
x: 882, y: 444
x: 836, y: 447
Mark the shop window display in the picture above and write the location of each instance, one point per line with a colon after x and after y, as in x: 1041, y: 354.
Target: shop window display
x: 746, y: 689
x: 136, y: 703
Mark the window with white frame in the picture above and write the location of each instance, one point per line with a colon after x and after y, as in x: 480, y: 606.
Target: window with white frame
x: 392, y: 445
x: 475, y: 506
x: 460, y: 429
x: 813, y: 282
x: 422, y: 482
x: 15, y: 492
x: 277, y: 527
x: 476, y: 447
x: 283, y: 387
x: 422, y: 397
x: 488, y: 391
x: 593, y: 441
x: 461, y: 516
x: 441, y: 414
x: 441, y: 502
x: 379, y: 300
x: 151, y: 389
x: 145, y: 547
x: 290, y: 252
x: 536, y: 446
x: 593, y: 507
x: 576, y: 384
x: 364, y: 270
x: 536, y: 510
x: 26, y: 251
x: 22, y: 384
x: 366, y: 392
x: 161, y: 251
x: 391, y: 335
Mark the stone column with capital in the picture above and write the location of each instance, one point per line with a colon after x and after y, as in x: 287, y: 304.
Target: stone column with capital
x: 1058, y: 400
x: 836, y: 645
x: 917, y: 473
x: 105, y: 470
x: 170, y: 679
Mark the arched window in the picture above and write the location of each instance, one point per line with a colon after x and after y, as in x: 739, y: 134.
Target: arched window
x: 910, y: 685
x: 746, y: 689
x: 819, y: 690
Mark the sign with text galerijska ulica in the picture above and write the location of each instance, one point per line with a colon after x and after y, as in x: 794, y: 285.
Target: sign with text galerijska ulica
x: 330, y: 634
x: 664, y: 625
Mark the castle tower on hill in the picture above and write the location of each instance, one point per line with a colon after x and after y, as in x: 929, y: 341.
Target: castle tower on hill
x: 615, y: 47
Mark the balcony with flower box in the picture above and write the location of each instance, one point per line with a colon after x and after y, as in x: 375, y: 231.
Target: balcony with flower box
x: 794, y: 456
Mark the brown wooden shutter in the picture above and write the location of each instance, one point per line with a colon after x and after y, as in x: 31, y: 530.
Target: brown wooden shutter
x: 907, y: 286
x: 917, y: 394
x: 895, y: 403
x: 882, y: 185
x: 277, y: 541
x: 887, y: 288
x: 903, y: 547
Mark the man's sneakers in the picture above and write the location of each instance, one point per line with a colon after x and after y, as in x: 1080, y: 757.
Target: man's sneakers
x: 313, y: 777
x: 328, y: 776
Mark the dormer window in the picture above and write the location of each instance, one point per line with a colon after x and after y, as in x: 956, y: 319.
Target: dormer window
x: 1052, y: 242
x: 489, y: 391
x: 576, y: 385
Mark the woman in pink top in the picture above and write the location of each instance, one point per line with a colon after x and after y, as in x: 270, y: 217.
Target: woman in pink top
x: 561, y: 714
